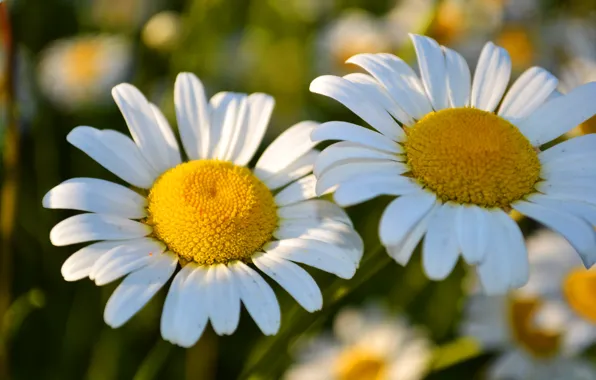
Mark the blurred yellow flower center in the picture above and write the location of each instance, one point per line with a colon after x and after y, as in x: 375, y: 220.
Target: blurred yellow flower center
x: 81, y: 61
x: 210, y: 211
x: 579, y: 289
x: 360, y: 364
x: 466, y: 155
x: 538, y: 342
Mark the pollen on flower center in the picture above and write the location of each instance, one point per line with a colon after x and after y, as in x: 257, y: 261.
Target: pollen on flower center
x: 357, y: 363
x: 579, y: 289
x: 466, y: 155
x: 210, y: 211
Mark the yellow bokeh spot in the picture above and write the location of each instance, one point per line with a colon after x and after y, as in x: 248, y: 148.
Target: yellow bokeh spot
x: 210, y: 211
x: 538, y: 342
x: 518, y: 43
x: 81, y: 61
x: 579, y: 289
x: 360, y: 364
x: 470, y: 156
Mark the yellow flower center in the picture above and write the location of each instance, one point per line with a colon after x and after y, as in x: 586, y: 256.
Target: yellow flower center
x: 210, y: 212
x: 538, y: 342
x: 81, y: 61
x: 579, y: 289
x: 360, y: 364
x: 466, y: 155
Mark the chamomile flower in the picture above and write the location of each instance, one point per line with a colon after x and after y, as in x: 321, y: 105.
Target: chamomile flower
x: 540, y: 329
x: 457, y: 163
x: 211, y: 215
x: 367, y: 344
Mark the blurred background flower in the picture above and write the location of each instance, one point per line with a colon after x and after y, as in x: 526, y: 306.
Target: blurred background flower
x: 66, y: 56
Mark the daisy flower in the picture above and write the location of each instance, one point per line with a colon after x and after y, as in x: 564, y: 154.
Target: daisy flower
x: 457, y: 162
x: 211, y: 215
x: 540, y: 329
x: 80, y: 71
x: 367, y: 344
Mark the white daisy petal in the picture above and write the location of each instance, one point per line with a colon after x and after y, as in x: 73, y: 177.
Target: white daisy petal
x: 79, y: 264
x: 315, y: 209
x: 297, y: 169
x: 350, y: 95
x: 402, y: 214
x: 192, y: 114
x: 173, y: 305
x: 228, y: 116
x: 579, y: 188
x: 580, y: 209
x: 191, y: 317
x: 143, y: 127
x: 440, y: 248
x: 402, y: 252
x: 293, y: 279
x: 173, y: 156
x: 340, y: 173
x: 577, y: 146
x: 528, y: 93
x: 258, y: 298
x: 286, y: 149
x: 517, y: 255
x: 125, y: 258
x: 361, y: 189
x: 138, y: 288
x: 339, y: 130
x: 431, y: 62
x: 96, y: 195
x: 341, y: 151
x: 490, y: 78
x: 314, y: 253
x: 88, y: 227
x: 560, y: 115
x: 511, y: 365
x: 260, y: 107
x: 374, y: 90
x: 115, y: 152
x: 473, y: 232
x: 399, y: 79
x: 223, y: 299
x: 298, y: 191
x: 578, y: 232
x: 459, y: 80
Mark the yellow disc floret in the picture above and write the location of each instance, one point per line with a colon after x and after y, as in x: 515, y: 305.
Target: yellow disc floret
x: 358, y: 363
x: 579, y: 289
x: 210, y: 211
x: 466, y: 155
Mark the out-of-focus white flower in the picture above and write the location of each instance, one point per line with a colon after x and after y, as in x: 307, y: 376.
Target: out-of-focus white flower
x: 80, y: 71
x: 408, y: 16
x: 366, y: 344
x: 541, y: 328
x: 162, y: 31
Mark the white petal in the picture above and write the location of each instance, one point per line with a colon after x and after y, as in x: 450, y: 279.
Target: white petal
x: 316, y: 209
x: 339, y: 130
x: 144, y: 128
x: 560, y: 115
x: 191, y: 317
x: 459, y: 80
x: 340, y: 173
x: 293, y: 279
x: 223, y: 300
x: 399, y: 79
x: 516, y: 253
x: 440, y: 248
x: 375, y: 91
x: 88, y: 227
x: 580, y: 145
x: 258, y: 298
x: 579, y: 233
x: 361, y: 189
x: 79, y: 264
x: 115, y: 152
x: 511, y: 365
x: 228, y: 120
x: 173, y: 305
x: 580, y: 209
x: 579, y: 188
x: 137, y: 289
x: 473, y: 232
x: 96, y: 195
x: 341, y: 151
x: 301, y: 190
x: 173, y: 150
x: 432, y: 70
x: 260, y: 107
x: 402, y: 252
x: 284, y: 150
x: 528, y: 92
x: 315, y: 253
x: 351, y: 96
x: 125, y: 258
x: 491, y: 77
x: 297, y: 169
x: 402, y: 214
x: 192, y: 114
